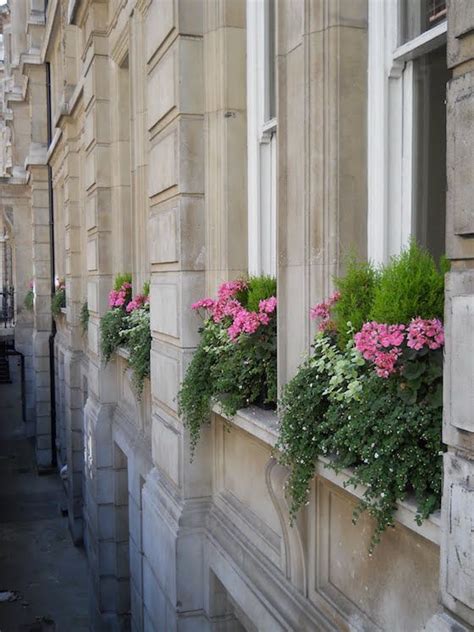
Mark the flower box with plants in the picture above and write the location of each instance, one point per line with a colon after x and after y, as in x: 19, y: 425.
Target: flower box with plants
x: 84, y: 317
x: 127, y: 324
x: 370, y: 396
x: 58, y: 301
x: 235, y: 362
x: 29, y: 301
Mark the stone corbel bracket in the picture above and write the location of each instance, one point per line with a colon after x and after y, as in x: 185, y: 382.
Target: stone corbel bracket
x: 293, y: 557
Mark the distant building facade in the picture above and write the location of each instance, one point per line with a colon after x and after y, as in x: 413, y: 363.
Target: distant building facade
x: 189, y: 142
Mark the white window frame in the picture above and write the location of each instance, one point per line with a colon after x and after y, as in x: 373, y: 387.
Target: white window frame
x: 261, y: 145
x: 391, y: 127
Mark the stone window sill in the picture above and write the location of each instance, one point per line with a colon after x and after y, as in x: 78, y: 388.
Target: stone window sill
x: 122, y: 352
x: 62, y: 313
x: 263, y: 424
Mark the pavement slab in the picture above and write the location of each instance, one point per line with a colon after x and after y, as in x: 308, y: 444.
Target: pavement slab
x: 39, y: 565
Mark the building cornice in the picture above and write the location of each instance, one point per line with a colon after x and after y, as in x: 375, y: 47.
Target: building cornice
x: 49, y: 28
x: 54, y: 144
x: 37, y: 155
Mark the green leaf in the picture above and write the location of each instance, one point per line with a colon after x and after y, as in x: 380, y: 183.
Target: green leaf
x: 413, y: 370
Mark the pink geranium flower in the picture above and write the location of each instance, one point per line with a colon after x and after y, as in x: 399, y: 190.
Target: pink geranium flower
x: 137, y: 302
x: 204, y: 303
x: 382, y: 344
x: 228, y: 310
x: 268, y: 305
x: 323, y: 312
x: 429, y: 333
x: 121, y: 297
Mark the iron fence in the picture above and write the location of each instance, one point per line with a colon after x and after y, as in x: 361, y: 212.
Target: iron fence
x: 7, y: 307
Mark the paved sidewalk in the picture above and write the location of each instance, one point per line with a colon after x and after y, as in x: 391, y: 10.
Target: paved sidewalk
x: 38, y: 562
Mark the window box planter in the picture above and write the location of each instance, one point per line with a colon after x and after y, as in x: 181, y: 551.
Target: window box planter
x: 263, y: 425
x: 235, y: 362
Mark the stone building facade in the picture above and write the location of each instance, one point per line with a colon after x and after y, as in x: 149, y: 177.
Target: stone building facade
x: 188, y: 142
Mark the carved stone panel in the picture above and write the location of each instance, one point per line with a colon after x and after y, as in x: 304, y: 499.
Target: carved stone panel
x: 394, y: 589
x: 460, y: 577
x: 460, y: 151
x: 461, y: 363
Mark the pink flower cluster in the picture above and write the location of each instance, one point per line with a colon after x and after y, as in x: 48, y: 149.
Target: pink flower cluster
x: 382, y: 344
x: 323, y: 311
x: 425, y: 333
x: 59, y: 284
x: 227, y: 306
x: 138, y: 301
x: 120, y: 298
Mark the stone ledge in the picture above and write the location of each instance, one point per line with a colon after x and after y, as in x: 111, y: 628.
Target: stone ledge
x: 263, y: 424
x: 260, y: 423
x: 123, y: 352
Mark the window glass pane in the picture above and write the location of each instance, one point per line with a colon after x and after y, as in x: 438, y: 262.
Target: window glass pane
x: 270, y: 112
x: 431, y: 76
x: 418, y: 16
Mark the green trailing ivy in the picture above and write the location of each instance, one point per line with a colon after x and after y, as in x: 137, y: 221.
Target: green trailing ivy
x: 328, y: 376
x: 393, y: 447
x: 29, y: 300
x: 114, y: 321
x: 235, y: 362
x: 84, y: 317
x: 127, y: 323
x: 136, y: 336
x: 112, y: 324
x: 58, y: 300
x: 197, y: 389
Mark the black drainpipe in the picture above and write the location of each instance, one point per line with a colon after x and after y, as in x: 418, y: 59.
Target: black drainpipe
x: 53, y: 274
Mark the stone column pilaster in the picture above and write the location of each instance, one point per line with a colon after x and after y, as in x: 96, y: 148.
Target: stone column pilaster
x: 457, y: 545
x: 175, y: 494
x: 73, y: 355
x: 225, y: 141
x: 322, y: 197
x: 109, y: 606
x: 42, y: 311
x: 41, y: 250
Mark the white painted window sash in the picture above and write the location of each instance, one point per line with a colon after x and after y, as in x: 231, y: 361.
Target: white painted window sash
x: 424, y: 43
x: 261, y: 144
x: 390, y: 141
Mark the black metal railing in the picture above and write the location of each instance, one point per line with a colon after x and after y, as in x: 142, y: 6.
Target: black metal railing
x: 7, y: 307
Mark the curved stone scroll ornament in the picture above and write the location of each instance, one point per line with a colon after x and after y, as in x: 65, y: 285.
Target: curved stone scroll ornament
x: 294, y: 565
